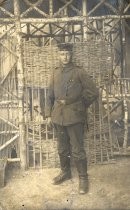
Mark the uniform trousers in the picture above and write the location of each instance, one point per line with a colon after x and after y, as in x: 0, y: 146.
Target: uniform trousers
x: 70, y: 140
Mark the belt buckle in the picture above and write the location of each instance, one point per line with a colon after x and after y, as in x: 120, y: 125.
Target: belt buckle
x: 62, y: 102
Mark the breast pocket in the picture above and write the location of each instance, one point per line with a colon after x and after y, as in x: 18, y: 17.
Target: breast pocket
x: 74, y: 88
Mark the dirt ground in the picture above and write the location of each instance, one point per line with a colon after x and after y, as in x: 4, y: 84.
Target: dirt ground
x: 32, y: 190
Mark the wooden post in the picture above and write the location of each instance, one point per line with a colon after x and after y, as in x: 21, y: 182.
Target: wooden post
x: 51, y: 15
x: 84, y: 11
x: 51, y: 8
x: 20, y: 74
x: 123, y: 72
x: 108, y: 120
x: 3, y: 163
x: 121, y: 6
x: 126, y: 116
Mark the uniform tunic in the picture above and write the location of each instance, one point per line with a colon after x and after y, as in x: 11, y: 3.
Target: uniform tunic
x: 72, y: 84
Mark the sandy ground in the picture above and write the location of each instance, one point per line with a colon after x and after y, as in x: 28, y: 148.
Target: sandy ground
x: 32, y: 190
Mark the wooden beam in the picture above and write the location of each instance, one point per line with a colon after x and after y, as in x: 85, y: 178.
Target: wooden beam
x: 63, y: 8
x: 52, y: 20
x: 9, y: 50
x: 34, y: 8
x: 96, y: 7
x: 113, y: 9
x: 6, y: 12
x: 9, y: 142
x: 61, y: 20
x: 73, y: 8
x: 8, y: 122
x: 109, y: 17
x: 13, y: 159
x: 20, y: 74
x: 51, y: 8
x: 125, y: 124
x: 84, y: 10
x: 113, y: 108
x: 126, y: 8
x: 8, y: 132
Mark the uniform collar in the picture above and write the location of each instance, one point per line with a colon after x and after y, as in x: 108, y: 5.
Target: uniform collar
x: 67, y: 67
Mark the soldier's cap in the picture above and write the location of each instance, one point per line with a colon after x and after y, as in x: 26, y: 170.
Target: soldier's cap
x: 65, y: 47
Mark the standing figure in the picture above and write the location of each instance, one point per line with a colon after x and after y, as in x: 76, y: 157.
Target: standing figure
x: 71, y: 92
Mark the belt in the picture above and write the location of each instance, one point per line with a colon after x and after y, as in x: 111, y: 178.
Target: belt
x: 67, y: 102
x: 62, y: 102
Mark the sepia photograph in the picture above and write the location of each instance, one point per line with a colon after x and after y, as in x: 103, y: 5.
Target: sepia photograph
x: 64, y: 104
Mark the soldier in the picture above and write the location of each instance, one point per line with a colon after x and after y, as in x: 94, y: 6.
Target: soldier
x: 70, y: 93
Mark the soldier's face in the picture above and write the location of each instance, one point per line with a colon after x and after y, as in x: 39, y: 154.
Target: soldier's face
x: 65, y: 57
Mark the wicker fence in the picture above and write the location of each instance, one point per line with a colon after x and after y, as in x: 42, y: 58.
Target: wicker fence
x: 96, y: 58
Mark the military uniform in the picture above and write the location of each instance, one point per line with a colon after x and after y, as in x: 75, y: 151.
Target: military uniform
x: 72, y: 85
x: 70, y: 93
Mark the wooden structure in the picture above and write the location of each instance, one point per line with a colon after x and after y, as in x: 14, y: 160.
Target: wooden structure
x: 3, y: 163
x: 45, y: 23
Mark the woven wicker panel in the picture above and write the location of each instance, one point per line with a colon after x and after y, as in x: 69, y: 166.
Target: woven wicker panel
x: 98, y: 151
x: 97, y: 143
x: 38, y: 63
x: 94, y: 56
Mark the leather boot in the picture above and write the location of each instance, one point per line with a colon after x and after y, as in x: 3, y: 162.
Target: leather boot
x: 65, y: 173
x: 81, y: 166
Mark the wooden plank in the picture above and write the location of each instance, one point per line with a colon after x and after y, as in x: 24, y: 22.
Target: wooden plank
x: 13, y: 159
x: 9, y: 142
x: 8, y: 132
x: 3, y: 163
x: 62, y: 20
x: 8, y: 122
